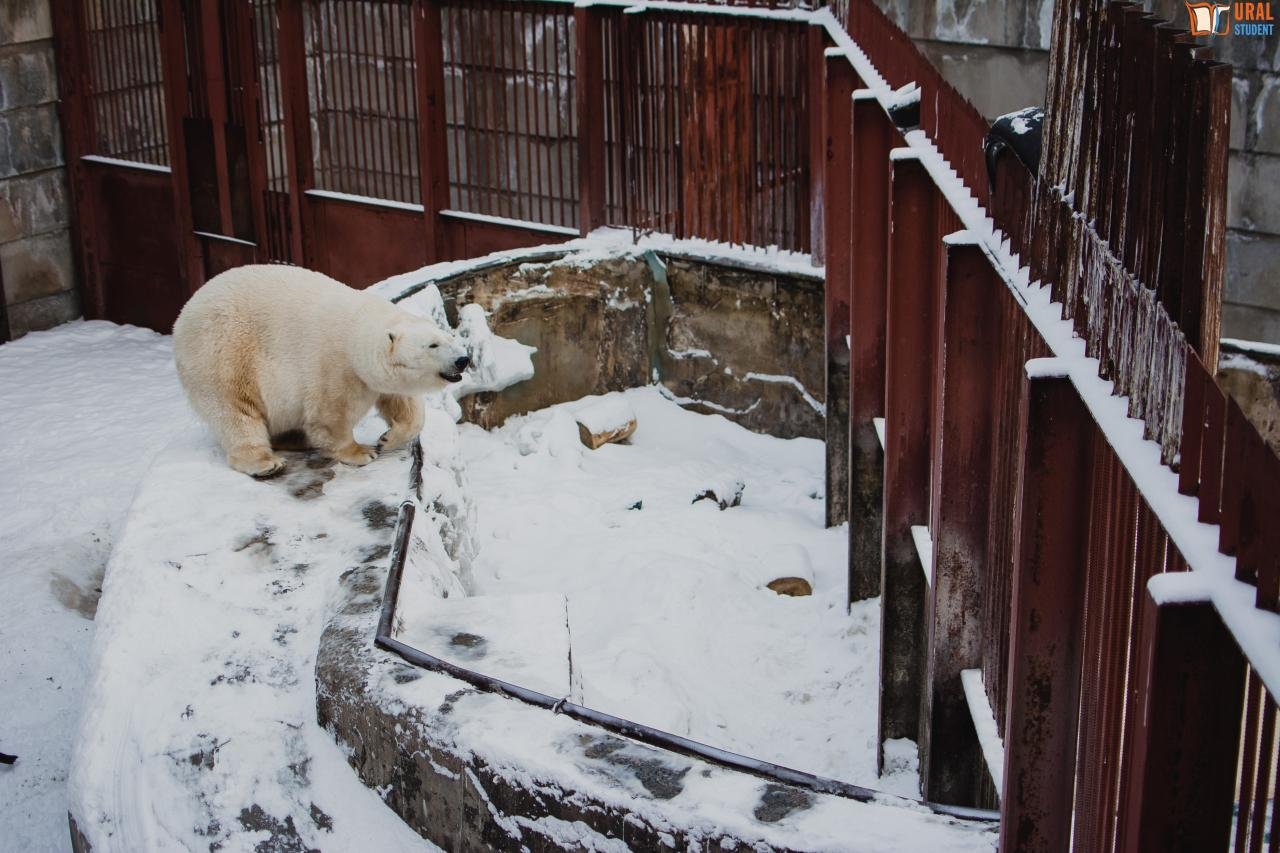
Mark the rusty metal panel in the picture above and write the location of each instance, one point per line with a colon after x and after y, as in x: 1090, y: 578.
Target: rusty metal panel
x: 914, y: 252
x: 873, y: 137
x: 1045, y: 646
x: 359, y: 244
x: 952, y: 767
x: 1190, y: 675
x: 839, y: 222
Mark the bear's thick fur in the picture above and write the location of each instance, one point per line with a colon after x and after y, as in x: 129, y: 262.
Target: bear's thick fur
x: 267, y: 352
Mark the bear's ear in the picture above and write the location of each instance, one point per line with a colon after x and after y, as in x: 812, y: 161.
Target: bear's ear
x: 392, y: 337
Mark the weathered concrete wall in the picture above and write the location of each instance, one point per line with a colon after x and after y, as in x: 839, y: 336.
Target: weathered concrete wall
x: 996, y: 52
x: 1253, y: 380
x: 35, y: 241
x: 742, y: 343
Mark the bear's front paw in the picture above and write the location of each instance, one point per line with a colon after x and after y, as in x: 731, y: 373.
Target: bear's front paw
x: 355, y: 454
x: 394, y: 439
x: 256, y: 462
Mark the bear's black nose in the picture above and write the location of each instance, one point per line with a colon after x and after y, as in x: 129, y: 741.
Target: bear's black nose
x: 462, y: 363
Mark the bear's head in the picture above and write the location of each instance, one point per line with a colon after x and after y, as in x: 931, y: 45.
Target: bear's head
x: 417, y: 356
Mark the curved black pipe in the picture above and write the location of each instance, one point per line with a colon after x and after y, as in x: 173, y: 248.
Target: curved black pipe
x: 617, y: 725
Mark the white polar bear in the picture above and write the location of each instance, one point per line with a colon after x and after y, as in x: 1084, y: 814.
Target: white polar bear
x: 270, y: 354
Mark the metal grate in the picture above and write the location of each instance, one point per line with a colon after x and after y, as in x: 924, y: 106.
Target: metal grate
x: 362, y: 70
x: 126, y: 91
x: 710, y: 113
x: 279, y: 223
x: 510, y: 110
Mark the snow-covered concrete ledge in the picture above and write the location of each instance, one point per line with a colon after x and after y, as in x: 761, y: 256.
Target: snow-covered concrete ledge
x: 199, y: 726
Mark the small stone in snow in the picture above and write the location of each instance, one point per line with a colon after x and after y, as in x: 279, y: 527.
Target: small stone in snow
x: 790, y: 586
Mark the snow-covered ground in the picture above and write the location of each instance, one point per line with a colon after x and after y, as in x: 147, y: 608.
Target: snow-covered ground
x: 670, y: 620
x: 84, y: 408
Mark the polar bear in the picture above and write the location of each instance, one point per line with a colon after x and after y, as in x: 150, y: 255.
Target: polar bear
x: 269, y: 354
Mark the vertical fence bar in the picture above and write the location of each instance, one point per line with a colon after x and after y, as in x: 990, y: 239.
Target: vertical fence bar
x: 433, y: 142
x: 1190, y: 680
x: 1044, y: 648
x: 873, y: 137
x: 589, y: 23
x: 914, y: 246
x: 76, y: 117
x: 838, y: 224
x: 174, y: 73
x: 951, y: 762
x: 297, y: 120
x: 814, y: 81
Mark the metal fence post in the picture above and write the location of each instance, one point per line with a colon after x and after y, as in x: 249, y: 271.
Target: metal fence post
x: 873, y: 137
x: 1190, y: 682
x: 951, y: 764
x: 591, y: 117
x: 296, y: 109
x: 815, y: 69
x: 838, y: 224
x: 433, y: 147
x: 1051, y: 552
x: 914, y: 249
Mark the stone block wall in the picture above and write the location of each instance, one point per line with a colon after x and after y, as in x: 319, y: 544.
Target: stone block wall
x: 996, y: 52
x: 36, y: 264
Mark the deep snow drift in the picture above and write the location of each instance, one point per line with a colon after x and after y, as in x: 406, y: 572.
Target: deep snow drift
x: 84, y: 408
x: 670, y: 621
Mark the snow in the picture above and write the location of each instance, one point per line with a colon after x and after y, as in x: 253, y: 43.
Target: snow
x: 510, y: 223
x: 603, y: 244
x: 611, y: 413
x: 923, y: 541
x: 901, y: 97
x: 1240, y: 361
x: 984, y: 721
x: 364, y: 199
x: 670, y: 622
x: 84, y: 409
x: 1258, y: 347
x: 814, y: 404
x: 497, y: 362
x: 199, y: 726
x: 130, y: 164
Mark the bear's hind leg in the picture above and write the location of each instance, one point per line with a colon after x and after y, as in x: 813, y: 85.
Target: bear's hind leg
x: 248, y: 446
x: 241, y: 428
x: 332, y: 432
x: 404, y: 417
